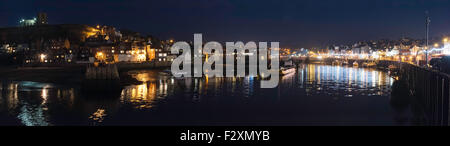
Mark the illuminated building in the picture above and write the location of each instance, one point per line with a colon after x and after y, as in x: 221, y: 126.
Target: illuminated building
x: 27, y: 22
x: 40, y: 20
x: 151, y: 53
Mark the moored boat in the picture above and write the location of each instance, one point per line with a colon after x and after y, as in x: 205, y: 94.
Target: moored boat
x: 369, y: 64
x: 287, y: 70
x: 391, y: 67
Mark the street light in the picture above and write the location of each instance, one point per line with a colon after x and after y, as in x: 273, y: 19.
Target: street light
x: 42, y: 56
x: 445, y: 40
x: 436, y: 45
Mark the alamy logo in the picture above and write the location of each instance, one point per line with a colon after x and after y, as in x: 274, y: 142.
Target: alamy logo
x: 213, y: 63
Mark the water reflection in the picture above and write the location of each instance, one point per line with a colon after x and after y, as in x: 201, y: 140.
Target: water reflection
x: 343, y: 81
x: 98, y: 115
x: 314, y: 95
x: 144, y: 96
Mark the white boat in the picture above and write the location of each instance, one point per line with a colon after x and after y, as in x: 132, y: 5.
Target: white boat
x: 287, y: 70
x: 166, y: 72
x: 345, y: 62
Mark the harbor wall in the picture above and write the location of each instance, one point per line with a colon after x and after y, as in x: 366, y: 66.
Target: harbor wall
x: 431, y: 89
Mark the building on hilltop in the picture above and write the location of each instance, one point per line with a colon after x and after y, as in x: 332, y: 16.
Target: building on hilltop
x: 42, y: 18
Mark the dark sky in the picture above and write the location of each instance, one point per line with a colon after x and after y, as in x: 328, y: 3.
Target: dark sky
x: 294, y: 23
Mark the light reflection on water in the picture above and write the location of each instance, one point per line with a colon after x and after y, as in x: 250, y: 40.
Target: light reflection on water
x: 315, y: 95
x: 344, y: 81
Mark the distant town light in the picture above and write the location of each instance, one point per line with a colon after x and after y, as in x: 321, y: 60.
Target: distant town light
x: 141, y: 57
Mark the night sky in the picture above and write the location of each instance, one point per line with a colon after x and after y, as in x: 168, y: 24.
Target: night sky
x: 294, y: 23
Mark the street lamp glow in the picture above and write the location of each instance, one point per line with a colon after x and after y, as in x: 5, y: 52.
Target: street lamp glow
x: 42, y: 56
x: 445, y: 40
x: 436, y: 45
x: 100, y: 56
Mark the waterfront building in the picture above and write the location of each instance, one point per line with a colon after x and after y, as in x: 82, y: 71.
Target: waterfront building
x: 365, y: 49
x: 356, y: 50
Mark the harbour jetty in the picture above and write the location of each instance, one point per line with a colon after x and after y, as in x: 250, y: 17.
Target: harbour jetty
x: 101, y: 78
x: 102, y: 72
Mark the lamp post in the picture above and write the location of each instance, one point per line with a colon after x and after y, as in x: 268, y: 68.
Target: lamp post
x: 427, y: 34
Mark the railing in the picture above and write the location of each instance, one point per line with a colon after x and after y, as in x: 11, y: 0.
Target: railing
x: 431, y: 89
